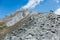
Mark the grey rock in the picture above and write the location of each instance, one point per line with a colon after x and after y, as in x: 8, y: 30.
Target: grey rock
x: 42, y: 27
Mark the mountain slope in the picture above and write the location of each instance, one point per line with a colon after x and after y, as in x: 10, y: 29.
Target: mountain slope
x: 41, y: 27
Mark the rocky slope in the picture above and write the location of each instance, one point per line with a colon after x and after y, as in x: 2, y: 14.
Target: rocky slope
x: 44, y: 26
x: 10, y: 22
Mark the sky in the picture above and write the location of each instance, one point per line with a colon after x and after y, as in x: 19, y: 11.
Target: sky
x: 9, y: 6
x: 47, y: 5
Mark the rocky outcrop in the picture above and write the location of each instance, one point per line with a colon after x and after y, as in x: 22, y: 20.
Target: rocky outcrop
x: 10, y: 21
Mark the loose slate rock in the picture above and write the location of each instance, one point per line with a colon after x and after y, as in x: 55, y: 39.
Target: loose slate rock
x: 42, y: 30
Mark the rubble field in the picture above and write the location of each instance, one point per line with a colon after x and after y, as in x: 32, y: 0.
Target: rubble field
x: 44, y: 26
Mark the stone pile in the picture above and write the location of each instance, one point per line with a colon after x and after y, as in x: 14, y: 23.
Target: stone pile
x: 40, y: 27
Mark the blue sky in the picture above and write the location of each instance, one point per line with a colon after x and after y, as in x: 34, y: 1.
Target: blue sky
x: 47, y: 5
x: 9, y: 6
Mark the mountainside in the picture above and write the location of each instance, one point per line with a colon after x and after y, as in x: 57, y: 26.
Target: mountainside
x: 26, y: 25
x: 44, y: 26
x: 11, y: 20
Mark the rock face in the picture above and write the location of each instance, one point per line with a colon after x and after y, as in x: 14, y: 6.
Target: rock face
x: 11, y: 21
x: 40, y: 27
x: 16, y: 17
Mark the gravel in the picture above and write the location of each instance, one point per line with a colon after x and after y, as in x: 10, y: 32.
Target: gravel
x: 41, y: 27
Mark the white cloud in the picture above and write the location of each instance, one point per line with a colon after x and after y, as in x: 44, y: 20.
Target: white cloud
x: 57, y: 11
x: 32, y: 3
x: 57, y: 1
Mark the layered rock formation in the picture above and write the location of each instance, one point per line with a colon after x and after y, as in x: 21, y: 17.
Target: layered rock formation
x: 8, y: 24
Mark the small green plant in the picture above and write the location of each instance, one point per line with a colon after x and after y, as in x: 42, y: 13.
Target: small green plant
x: 1, y: 28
